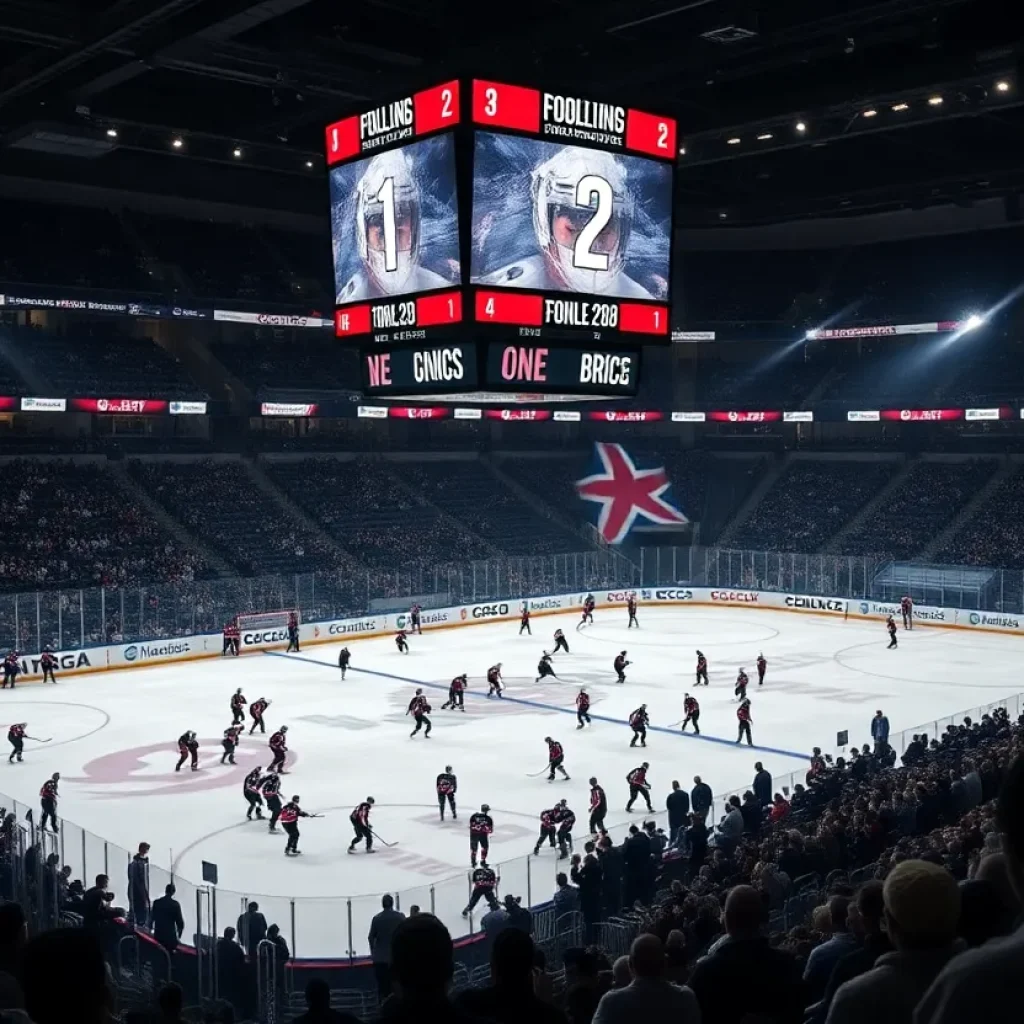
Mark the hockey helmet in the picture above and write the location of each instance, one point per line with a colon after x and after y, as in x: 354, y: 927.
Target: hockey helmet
x: 388, y: 201
x: 484, y: 808
x: 447, y: 767
x: 570, y: 191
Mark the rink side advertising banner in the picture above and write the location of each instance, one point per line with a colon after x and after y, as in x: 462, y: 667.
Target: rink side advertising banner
x: 572, y: 209
x: 395, y: 217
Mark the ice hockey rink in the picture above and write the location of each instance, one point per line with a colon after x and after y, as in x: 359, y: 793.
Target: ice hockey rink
x: 114, y: 742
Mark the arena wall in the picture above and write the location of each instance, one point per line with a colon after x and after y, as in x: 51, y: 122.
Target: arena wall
x: 209, y: 645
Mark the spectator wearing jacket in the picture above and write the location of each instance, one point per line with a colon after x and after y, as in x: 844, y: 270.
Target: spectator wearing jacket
x: 880, y: 732
x: 138, y: 887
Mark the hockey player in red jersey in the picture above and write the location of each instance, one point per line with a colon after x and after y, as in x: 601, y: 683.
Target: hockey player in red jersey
x: 741, y: 684
x: 631, y: 608
x: 271, y: 789
x: 446, y: 786
x: 556, y: 756
x: 891, y: 626
x: 619, y: 665
x: 48, y: 802
x: 743, y: 714
x: 12, y: 666
x: 762, y: 667
x: 456, y: 694
x: 638, y: 721
x: 290, y: 814
x: 278, y: 750
x: 588, y: 611
x: 494, y: 681
x: 907, y: 611
x: 702, y: 669
x: 691, y: 713
x: 188, y: 747
x: 566, y: 820
x: 293, y: 633
x: 598, y: 807
x: 639, y: 786
x: 547, y: 830
x: 230, y: 743
x: 48, y: 662
x: 524, y: 620
x: 419, y: 709
x: 238, y: 703
x: 360, y: 818
x: 560, y: 642
x: 16, y: 736
x: 400, y: 642
x: 481, y: 827
x: 414, y: 619
x: 484, y: 882
x: 256, y: 711
x: 582, y: 709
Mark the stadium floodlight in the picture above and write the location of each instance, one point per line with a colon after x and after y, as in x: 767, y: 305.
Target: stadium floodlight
x: 801, y: 127
x: 900, y: 107
x: 870, y: 112
x: 972, y: 322
x: 177, y: 143
x: 734, y: 141
x: 934, y: 101
x: 237, y: 153
x: 764, y: 136
x: 309, y: 163
x: 1002, y: 85
x: 112, y: 133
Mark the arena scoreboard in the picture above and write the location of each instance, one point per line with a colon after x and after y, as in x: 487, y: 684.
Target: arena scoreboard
x: 491, y: 235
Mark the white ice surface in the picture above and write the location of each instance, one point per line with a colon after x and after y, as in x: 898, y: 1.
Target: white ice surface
x: 114, y: 743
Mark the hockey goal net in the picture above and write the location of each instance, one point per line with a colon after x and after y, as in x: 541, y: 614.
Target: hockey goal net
x: 267, y: 620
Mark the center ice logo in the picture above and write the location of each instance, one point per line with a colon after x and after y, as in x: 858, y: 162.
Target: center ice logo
x: 128, y: 772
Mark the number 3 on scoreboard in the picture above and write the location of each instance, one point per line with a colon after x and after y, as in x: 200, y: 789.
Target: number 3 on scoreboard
x: 583, y: 255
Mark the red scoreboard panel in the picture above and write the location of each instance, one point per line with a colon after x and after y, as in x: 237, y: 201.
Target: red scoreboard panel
x: 571, y: 216
x: 395, y: 218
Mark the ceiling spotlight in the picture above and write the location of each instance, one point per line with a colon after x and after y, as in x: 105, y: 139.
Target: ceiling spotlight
x: 764, y: 136
x: 900, y: 107
x: 734, y: 141
x: 112, y: 133
x: 934, y: 101
x: 801, y: 127
x: 177, y: 143
x: 309, y: 163
x: 237, y: 153
x: 1002, y: 85
x: 972, y: 322
x: 870, y: 112
x: 723, y: 215
x: 682, y: 151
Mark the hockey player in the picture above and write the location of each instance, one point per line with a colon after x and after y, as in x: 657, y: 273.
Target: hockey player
x: 524, y: 619
x: 48, y: 662
x: 544, y: 667
x: 188, y: 747
x: 639, y: 786
x: 889, y: 625
x: 226, y: 632
x: 290, y: 814
x: 547, y: 829
x: 235, y: 636
x: 762, y: 667
x: 631, y: 608
x: 582, y: 709
x: 48, y: 802
x: 256, y: 710
x: 566, y: 821
x: 238, y: 703
x: 278, y: 750
x: 907, y: 611
x: 638, y: 723
x: 344, y: 657
x: 555, y: 758
x: 588, y: 611
x: 598, y: 807
x: 560, y: 642
x: 743, y: 714
x: 741, y: 684
x: 702, y: 669
x: 691, y: 713
x: 360, y: 818
x: 456, y: 694
x: 271, y: 787
x: 481, y: 827
x: 619, y: 665
x: 11, y: 669
x: 494, y: 681
x: 400, y: 642
x: 447, y: 784
x: 230, y: 743
x: 16, y: 736
x: 484, y: 882
x: 251, y: 792
x: 414, y: 619
x: 293, y: 632
x: 419, y: 709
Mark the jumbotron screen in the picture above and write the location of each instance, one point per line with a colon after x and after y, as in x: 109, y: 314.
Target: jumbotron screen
x: 395, y: 217
x: 572, y: 214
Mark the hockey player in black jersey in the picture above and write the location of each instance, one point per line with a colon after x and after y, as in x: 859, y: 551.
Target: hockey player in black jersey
x: 230, y: 743
x: 481, y: 827
x: 447, y: 784
x: 598, y: 807
x: 560, y: 642
x: 619, y: 665
x: 238, y: 703
x: 638, y: 722
x: 544, y: 668
x: 271, y: 788
x: 251, y: 792
x: 484, y: 883
x: 457, y: 694
x: 565, y: 820
x: 419, y: 709
x: 400, y: 641
x: 524, y: 620
x: 343, y: 659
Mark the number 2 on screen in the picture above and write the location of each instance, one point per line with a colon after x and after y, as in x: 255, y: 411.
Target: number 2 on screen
x: 386, y: 197
x: 583, y: 255
x: 446, y: 103
x: 662, y: 135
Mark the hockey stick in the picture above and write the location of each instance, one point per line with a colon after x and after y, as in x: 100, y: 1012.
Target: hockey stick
x: 381, y: 841
x: 537, y: 775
